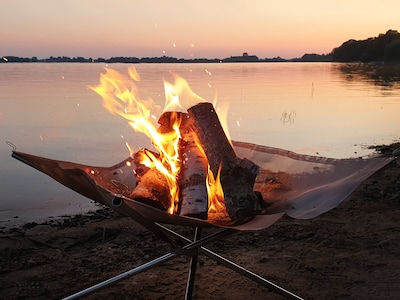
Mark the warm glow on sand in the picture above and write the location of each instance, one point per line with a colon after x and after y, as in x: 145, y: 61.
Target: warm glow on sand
x: 192, y: 29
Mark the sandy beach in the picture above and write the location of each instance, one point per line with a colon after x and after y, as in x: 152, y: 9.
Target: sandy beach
x: 350, y: 252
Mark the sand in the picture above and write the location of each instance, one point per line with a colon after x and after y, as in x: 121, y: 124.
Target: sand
x: 350, y: 252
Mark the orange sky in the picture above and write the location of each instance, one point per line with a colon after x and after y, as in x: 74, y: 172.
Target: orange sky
x: 179, y: 28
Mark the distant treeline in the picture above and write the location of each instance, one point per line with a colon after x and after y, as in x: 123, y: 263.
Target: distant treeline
x: 121, y: 59
x: 384, y: 48
x: 163, y: 59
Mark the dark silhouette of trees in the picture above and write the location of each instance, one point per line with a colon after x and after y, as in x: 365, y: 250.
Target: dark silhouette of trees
x: 15, y: 59
x: 381, y: 48
x: 312, y: 57
x: 385, y: 47
x: 392, y: 51
x: 80, y: 59
x: 244, y: 58
x: 121, y: 60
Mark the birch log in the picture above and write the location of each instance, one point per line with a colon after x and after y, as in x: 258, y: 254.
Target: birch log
x: 194, y: 171
x: 192, y: 178
x: 237, y: 176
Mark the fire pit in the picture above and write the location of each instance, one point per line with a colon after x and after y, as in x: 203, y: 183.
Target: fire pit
x: 198, y: 177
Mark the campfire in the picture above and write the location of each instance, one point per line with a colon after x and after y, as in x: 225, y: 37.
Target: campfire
x: 194, y: 170
x: 196, y: 175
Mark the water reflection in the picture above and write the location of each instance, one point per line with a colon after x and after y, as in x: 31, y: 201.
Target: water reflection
x: 334, y: 110
x: 383, y: 75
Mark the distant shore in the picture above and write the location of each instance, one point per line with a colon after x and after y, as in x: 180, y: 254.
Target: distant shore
x: 164, y: 59
x: 383, y: 48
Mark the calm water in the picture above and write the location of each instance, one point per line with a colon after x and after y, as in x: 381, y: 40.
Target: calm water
x: 332, y: 110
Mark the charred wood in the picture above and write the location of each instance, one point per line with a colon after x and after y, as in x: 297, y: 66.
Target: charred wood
x: 152, y: 186
x: 237, y: 176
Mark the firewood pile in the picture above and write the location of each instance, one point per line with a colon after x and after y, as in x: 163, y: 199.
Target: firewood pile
x: 207, y: 161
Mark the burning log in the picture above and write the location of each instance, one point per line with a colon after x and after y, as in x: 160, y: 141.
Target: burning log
x: 212, y: 137
x: 194, y: 172
x: 237, y: 176
x: 152, y: 187
x: 203, y: 143
x: 192, y: 179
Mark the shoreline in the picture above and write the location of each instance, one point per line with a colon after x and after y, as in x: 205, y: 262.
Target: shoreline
x: 103, y: 211
x: 350, y: 252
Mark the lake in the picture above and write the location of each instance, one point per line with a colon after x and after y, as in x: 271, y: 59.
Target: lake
x: 46, y: 109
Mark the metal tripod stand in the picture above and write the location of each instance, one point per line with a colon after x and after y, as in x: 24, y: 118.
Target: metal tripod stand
x: 193, y: 249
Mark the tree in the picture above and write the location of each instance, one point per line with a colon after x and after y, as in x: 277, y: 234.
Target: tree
x: 371, y: 49
x: 392, y: 51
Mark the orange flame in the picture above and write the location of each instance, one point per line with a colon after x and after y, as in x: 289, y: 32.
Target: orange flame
x: 179, y: 96
x: 215, y: 192
x: 120, y: 96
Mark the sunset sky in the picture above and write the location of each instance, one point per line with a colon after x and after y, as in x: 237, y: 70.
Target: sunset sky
x: 188, y: 29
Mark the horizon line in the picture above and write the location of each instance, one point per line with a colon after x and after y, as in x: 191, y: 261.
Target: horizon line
x: 245, y: 57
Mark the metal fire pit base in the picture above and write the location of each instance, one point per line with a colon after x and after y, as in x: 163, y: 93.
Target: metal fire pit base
x: 193, y: 249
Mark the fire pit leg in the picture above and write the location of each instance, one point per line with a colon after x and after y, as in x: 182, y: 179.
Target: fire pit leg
x: 188, y: 248
x: 122, y: 276
x: 231, y: 265
x: 256, y: 278
x: 193, y: 248
x: 193, y: 266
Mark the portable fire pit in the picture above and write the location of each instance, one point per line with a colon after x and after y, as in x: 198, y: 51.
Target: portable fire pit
x: 199, y: 178
x: 300, y: 186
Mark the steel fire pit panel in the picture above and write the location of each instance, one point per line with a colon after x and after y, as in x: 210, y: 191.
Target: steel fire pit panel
x: 300, y: 186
